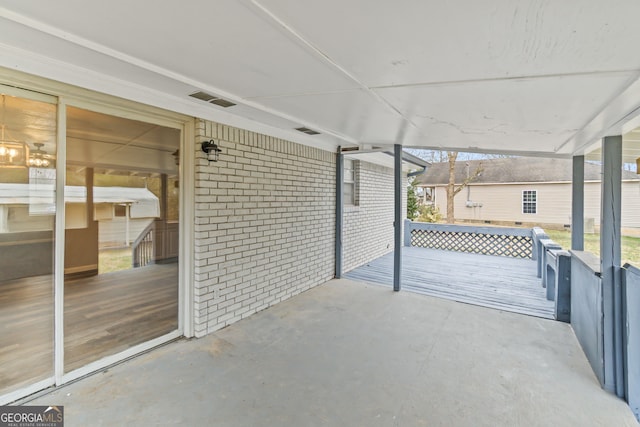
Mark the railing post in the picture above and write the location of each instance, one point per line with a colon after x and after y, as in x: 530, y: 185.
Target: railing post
x: 545, y: 245
x: 407, y: 232
x: 534, y: 244
x: 537, y: 234
x: 563, y: 287
x: 551, y: 274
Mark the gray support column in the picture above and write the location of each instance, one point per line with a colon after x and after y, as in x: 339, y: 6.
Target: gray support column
x: 610, y: 248
x: 577, y: 204
x: 397, y: 223
x: 339, y: 210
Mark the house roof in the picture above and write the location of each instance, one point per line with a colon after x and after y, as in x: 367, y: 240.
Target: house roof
x: 517, y: 169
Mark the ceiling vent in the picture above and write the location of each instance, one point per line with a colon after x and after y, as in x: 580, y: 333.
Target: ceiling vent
x: 203, y: 96
x: 207, y: 97
x: 222, y: 102
x: 307, y: 131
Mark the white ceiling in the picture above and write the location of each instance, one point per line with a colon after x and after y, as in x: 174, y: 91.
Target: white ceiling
x: 97, y: 139
x: 93, y: 139
x: 535, y: 77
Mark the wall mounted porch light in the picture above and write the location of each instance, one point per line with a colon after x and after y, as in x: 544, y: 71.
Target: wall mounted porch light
x: 212, y: 150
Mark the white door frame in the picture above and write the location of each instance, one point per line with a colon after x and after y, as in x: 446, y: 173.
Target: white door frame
x: 64, y: 95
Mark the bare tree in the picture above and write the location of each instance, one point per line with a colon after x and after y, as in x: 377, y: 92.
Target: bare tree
x: 452, y: 188
x: 436, y: 156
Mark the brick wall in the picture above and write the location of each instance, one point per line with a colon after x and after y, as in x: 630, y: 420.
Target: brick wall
x: 368, y: 227
x: 264, y: 224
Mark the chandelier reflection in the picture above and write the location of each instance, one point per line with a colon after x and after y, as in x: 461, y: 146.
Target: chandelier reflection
x: 38, y: 158
x: 13, y: 154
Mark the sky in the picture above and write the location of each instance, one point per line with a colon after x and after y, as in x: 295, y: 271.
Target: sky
x: 436, y: 156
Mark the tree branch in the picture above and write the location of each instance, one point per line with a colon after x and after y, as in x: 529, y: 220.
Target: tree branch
x: 469, y: 179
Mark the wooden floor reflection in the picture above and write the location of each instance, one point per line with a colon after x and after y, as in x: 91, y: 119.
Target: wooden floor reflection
x: 26, y: 331
x: 103, y: 315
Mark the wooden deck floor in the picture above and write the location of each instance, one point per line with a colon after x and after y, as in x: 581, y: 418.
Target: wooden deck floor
x: 503, y: 283
x: 104, y: 315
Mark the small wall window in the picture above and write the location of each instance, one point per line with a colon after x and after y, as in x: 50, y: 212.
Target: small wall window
x: 529, y: 202
x: 350, y: 183
x: 429, y: 196
x: 120, y: 210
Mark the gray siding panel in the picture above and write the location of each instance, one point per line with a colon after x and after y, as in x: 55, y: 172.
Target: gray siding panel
x: 586, y: 309
x: 632, y: 337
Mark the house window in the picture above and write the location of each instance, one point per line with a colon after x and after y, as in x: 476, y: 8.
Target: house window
x: 350, y: 183
x: 429, y: 195
x: 529, y: 201
x: 120, y: 210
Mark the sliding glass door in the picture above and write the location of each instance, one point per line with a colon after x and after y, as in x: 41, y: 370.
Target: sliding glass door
x: 121, y: 242
x: 108, y: 286
x: 27, y: 219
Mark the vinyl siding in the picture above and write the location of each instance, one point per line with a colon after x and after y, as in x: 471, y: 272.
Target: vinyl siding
x: 504, y: 203
x: 631, y: 204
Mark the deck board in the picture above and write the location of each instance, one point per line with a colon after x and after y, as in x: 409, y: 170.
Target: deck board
x: 502, y: 283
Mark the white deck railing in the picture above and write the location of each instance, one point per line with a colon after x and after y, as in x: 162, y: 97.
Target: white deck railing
x: 143, y: 249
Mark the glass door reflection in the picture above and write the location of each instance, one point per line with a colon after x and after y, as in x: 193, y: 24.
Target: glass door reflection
x: 121, y: 247
x: 27, y: 218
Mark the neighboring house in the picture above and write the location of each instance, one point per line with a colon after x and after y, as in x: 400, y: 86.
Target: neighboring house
x: 525, y: 191
x: 27, y: 220
x: 122, y: 212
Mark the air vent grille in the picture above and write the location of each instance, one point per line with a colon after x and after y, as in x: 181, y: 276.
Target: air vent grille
x: 212, y: 99
x: 307, y: 131
x: 203, y: 96
x: 222, y: 102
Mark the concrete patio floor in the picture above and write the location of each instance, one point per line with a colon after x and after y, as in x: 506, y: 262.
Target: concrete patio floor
x: 352, y: 354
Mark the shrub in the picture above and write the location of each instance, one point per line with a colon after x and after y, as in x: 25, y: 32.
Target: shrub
x: 413, y: 210
x: 429, y: 213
